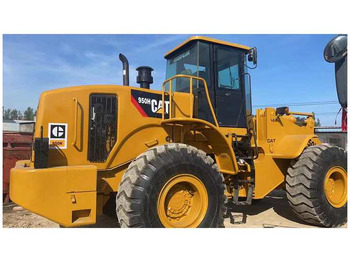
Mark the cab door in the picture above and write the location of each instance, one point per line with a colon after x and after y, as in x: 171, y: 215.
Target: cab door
x: 229, y: 93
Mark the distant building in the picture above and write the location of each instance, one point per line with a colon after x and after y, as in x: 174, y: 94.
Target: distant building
x: 333, y: 136
x: 18, y: 126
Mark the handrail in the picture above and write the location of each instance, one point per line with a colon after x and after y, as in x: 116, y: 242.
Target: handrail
x: 300, y: 114
x: 191, y: 93
x: 75, y: 121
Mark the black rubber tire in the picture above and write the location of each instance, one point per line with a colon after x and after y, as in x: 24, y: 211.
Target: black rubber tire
x: 305, y: 185
x: 141, y: 184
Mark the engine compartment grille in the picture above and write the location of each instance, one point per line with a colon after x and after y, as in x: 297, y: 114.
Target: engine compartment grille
x: 102, y: 126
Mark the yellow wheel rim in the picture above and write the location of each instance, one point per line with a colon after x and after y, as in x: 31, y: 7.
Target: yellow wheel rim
x: 182, y: 202
x: 335, y: 187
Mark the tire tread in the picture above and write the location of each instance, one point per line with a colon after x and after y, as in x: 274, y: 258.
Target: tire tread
x: 301, y: 186
x: 134, y: 182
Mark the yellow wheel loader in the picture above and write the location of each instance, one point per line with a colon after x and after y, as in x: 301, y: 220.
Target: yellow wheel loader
x: 174, y: 157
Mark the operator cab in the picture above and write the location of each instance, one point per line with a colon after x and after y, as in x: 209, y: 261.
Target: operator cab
x: 222, y: 65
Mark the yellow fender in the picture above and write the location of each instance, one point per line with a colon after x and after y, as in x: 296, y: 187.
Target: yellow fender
x: 221, y: 147
x: 291, y: 146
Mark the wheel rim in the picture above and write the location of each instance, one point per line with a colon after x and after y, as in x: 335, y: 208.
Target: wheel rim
x: 182, y: 202
x: 335, y: 187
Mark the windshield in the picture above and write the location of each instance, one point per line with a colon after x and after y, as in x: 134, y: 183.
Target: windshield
x: 193, y: 61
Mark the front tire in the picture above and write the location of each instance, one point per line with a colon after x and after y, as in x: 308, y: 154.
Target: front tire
x: 173, y: 185
x: 316, y: 186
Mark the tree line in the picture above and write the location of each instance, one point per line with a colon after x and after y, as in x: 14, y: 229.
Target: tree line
x: 14, y: 114
x: 302, y: 119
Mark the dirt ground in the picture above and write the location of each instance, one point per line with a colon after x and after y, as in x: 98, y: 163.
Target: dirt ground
x: 271, y: 212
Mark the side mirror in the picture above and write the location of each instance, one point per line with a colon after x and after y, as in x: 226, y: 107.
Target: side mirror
x: 253, y: 55
x: 336, y: 52
x: 336, y: 49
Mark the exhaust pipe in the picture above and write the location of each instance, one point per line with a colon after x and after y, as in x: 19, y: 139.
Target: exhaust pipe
x: 125, y: 69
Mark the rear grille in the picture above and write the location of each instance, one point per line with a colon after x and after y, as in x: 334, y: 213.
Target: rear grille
x: 102, y: 126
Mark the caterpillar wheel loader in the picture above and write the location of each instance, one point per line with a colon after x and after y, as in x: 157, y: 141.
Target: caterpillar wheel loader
x: 175, y: 156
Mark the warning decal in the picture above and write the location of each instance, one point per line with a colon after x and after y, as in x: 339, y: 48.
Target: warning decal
x: 58, y: 135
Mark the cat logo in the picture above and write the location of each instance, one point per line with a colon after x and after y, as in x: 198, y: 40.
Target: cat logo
x: 150, y: 104
x: 58, y: 131
x: 58, y: 136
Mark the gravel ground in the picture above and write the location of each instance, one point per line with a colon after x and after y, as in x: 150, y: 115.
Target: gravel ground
x: 16, y: 216
x: 272, y: 211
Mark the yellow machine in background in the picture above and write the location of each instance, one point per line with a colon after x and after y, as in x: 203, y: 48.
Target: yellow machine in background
x: 176, y: 156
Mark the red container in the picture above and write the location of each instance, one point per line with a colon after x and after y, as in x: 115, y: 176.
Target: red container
x: 16, y: 146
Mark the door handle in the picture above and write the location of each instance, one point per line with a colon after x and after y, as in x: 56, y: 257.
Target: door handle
x: 227, y: 94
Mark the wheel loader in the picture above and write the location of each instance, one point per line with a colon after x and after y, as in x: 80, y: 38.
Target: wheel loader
x: 176, y: 155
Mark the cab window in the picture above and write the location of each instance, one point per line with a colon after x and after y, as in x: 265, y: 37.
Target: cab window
x: 193, y: 61
x: 228, y: 69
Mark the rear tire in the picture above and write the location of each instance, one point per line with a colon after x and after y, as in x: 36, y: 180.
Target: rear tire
x: 184, y: 172
x: 316, y: 186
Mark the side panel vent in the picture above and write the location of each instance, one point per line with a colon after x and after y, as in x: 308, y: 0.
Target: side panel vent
x: 102, y: 126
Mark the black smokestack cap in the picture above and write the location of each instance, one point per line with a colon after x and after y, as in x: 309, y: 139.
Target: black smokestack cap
x: 144, y: 77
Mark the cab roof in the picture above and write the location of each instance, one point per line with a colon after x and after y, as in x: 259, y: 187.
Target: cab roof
x: 206, y: 39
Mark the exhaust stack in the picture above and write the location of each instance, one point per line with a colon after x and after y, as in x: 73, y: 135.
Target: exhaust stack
x: 125, y: 69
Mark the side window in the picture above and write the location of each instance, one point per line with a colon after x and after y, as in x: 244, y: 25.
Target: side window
x: 182, y: 64
x: 193, y: 69
x: 195, y: 61
x: 204, y: 63
x: 228, y: 69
